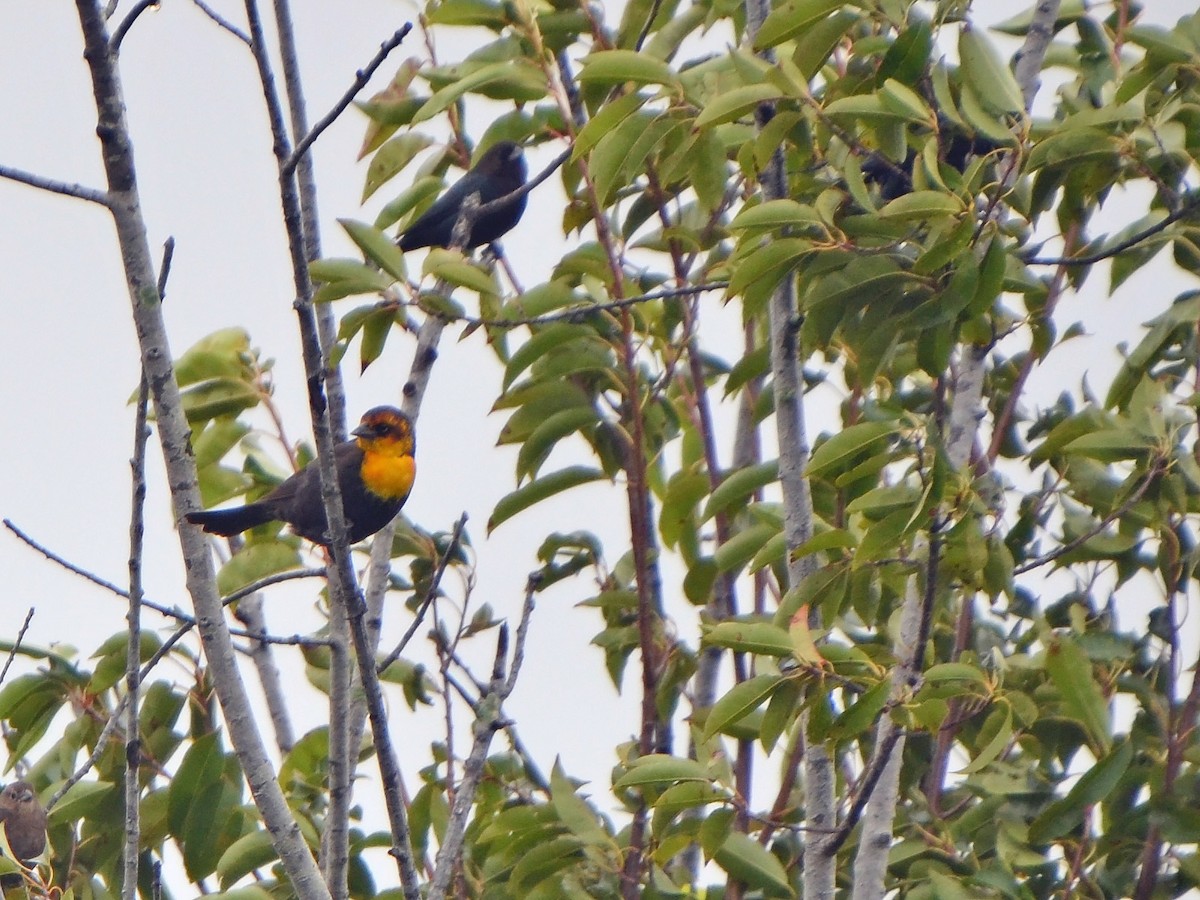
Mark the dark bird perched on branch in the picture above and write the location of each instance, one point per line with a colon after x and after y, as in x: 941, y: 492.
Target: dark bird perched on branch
x: 24, y: 820
x: 498, y: 173
x: 375, y: 472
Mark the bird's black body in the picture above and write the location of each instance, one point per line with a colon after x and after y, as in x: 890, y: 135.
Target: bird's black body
x: 498, y: 173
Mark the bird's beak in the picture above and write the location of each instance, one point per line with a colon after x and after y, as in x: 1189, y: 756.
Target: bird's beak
x: 362, y: 431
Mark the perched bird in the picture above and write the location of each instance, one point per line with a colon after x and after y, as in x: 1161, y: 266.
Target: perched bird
x: 24, y: 820
x: 498, y: 173
x: 375, y: 473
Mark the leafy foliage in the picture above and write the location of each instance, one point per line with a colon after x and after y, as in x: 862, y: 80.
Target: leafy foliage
x: 921, y: 203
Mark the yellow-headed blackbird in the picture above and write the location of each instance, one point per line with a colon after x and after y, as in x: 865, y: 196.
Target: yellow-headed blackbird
x: 375, y: 472
x: 498, y: 173
x: 24, y: 820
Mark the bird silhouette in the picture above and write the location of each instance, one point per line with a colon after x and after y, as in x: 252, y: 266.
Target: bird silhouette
x: 499, y: 172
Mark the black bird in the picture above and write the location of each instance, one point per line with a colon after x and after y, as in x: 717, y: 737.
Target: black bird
x: 498, y: 173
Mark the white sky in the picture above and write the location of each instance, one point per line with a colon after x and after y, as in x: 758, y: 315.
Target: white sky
x: 207, y: 178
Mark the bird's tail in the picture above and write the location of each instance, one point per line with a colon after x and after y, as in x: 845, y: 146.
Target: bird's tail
x: 231, y: 521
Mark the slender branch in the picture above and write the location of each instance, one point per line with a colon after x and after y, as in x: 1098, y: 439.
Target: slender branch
x: 430, y: 595
x: 1155, y: 470
x: 97, y: 752
x: 133, y: 653
x: 1133, y: 240
x: 173, y: 432
x: 121, y: 30
x: 575, y: 314
x: 54, y: 186
x: 222, y: 22
x: 175, y: 612
x: 361, y: 78
x: 12, y: 652
x: 488, y: 720
x: 250, y: 613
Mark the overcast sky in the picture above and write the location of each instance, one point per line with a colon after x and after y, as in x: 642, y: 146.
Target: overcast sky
x: 207, y: 178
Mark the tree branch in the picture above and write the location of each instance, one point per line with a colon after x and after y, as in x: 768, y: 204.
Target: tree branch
x: 173, y: 431
x: 1088, y: 259
x: 78, y: 191
x: 361, y: 78
x: 488, y: 720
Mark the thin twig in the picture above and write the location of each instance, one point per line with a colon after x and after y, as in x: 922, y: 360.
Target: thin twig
x: 222, y: 22
x: 1121, y: 246
x: 430, y: 595
x: 489, y: 719
x: 361, y: 77
x: 1155, y: 470
x: 121, y: 30
x: 97, y: 752
x: 12, y: 653
x: 174, y: 612
x: 579, y: 313
x: 54, y: 186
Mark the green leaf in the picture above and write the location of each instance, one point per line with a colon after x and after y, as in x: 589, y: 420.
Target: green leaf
x: 513, y: 77
x: 1071, y: 672
x: 378, y: 247
x: 659, y: 768
x: 765, y: 266
x: 748, y: 637
x: 775, y: 214
x: 1094, y: 785
x: 917, y: 205
x: 741, y: 700
x: 748, y: 861
x: 733, y: 104
x: 987, y: 74
x: 997, y: 744
x: 255, y: 561
x: 553, y: 429
x: 741, y: 548
x: 543, y: 860
x: 533, y: 349
x: 539, y: 489
x: 790, y: 19
x: 605, y: 121
x: 737, y: 488
x: 862, y: 713
x: 454, y: 267
x: 842, y: 449
x: 81, y: 801
x: 249, y: 852
x: 619, y: 66
x: 218, y: 398
x: 391, y: 159
x: 574, y: 811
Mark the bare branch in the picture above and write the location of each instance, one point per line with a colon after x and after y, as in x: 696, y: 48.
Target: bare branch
x: 12, y: 652
x: 78, y: 191
x: 121, y: 30
x: 361, y: 78
x: 489, y: 719
x: 430, y: 595
x: 222, y: 22
x: 1156, y: 469
x: 1088, y: 259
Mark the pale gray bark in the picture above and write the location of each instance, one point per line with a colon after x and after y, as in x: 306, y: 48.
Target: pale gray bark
x: 174, y: 432
x: 966, y: 412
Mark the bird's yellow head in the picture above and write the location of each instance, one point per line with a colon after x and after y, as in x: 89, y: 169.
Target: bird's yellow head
x: 385, y: 436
